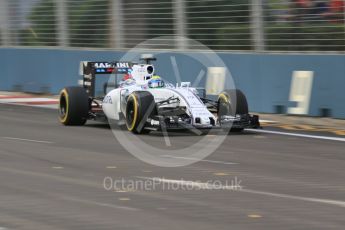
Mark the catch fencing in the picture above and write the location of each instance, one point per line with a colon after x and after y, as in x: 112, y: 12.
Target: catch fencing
x: 221, y: 25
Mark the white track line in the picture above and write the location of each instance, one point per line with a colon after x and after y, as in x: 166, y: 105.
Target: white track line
x: 28, y: 140
x: 209, y: 161
x: 298, y: 135
x: 267, y: 121
x: 45, y: 106
x: 309, y: 199
x: 207, y: 186
x: 23, y: 100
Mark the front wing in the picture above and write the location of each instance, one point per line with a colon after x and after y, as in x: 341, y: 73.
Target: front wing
x: 246, y: 121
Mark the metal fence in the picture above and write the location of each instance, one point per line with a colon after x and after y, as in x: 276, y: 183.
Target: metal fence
x: 227, y: 25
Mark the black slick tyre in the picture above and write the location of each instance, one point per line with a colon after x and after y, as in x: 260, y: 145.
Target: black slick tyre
x: 140, y: 106
x: 73, y: 106
x: 231, y: 103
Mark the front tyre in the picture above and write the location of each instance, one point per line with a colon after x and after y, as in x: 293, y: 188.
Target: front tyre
x: 73, y: 106
x: 232, y: 103
x: 140, y: 106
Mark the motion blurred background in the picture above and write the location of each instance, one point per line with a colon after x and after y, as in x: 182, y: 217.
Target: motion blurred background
x: 250, y: 25
x: 268, y: 45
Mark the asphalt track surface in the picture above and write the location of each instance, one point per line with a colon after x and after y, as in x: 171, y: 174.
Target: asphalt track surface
x: 51, y: 177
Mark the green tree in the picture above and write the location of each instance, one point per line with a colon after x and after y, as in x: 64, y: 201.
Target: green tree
x: 42, y: 30
x: 89, y: 23
x: 220, y: 24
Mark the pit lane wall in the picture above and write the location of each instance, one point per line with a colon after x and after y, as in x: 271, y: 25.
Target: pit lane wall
x: 266, y: 79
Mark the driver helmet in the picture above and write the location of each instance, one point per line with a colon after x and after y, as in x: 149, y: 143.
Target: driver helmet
x: 156, y: 82
x: 127, y: 77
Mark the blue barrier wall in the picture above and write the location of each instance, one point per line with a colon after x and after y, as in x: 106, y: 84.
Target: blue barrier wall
x: 265, y: 78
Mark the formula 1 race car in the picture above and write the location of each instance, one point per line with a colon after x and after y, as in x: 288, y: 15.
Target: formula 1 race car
x: 143, y: 102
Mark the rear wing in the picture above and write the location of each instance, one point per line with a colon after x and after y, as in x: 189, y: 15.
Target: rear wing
x: 89, y: 70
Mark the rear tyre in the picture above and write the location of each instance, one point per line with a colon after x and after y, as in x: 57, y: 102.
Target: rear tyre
x: 73, y: 106
x: 231, y: 103
x: 140, y: 106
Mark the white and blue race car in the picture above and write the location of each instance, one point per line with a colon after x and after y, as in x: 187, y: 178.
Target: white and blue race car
x: 143, y: 102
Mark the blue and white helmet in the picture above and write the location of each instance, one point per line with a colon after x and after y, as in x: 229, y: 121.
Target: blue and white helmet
x: 156, y: 82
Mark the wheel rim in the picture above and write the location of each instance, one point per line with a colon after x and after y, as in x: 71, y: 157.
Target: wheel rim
x: 131, y: 113
x: 63, y: 106
x: 223, y: 106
